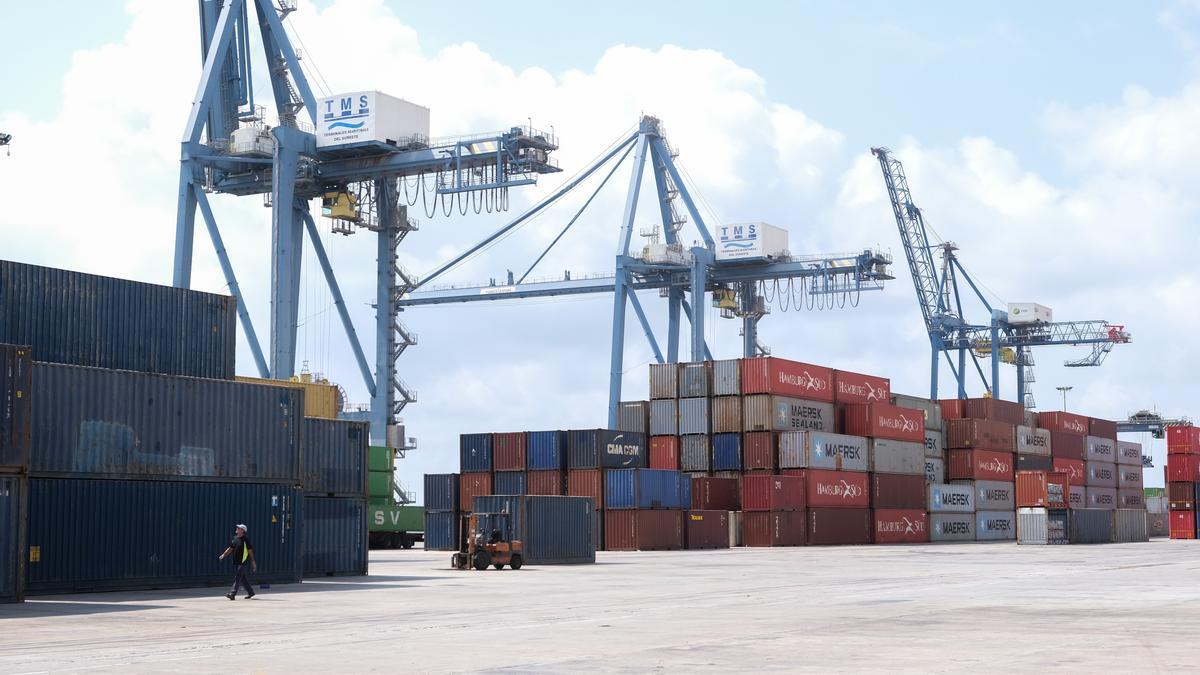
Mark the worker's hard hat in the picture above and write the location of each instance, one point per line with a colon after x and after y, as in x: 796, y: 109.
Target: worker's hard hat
x: 243, y: 528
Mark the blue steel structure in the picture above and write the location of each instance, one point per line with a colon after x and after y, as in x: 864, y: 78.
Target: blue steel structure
x: 738, y: 286
x: 942, y: 308
x: 227, y: 149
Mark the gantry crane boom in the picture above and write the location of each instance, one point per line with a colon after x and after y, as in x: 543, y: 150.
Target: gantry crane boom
x: 940, y: 301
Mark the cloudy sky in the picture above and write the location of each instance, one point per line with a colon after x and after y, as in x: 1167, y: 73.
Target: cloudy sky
x: 1055, y: 146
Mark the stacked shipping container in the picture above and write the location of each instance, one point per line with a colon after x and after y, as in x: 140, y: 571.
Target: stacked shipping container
x: 1183, y: 480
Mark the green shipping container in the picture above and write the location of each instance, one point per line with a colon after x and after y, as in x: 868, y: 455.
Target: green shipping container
x: 381, y: 459
x: 379, y: 484
x: 396, y: 518
x: 1155, y: 492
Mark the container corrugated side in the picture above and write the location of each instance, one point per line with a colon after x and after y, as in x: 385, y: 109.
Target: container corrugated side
x: 643, y: 530
x: 838, y: 526
x: 441, y: 530
x: 335, y: 457
x: 546, y: 450
x: 1091, y: 526
x: 945, y: 527
x: 644, y: 489
x: 888, y: 456
x: 995, y: 525
x: 545, y: 482
x: 995, y: 495
x: 727, y: 415
x: 664, y: 380
x: 471, y: 485
x: 634, y: 416
x: 1033, y: 441
x: 88, y: 320
x: 706, y: 529
x: 900, y: 526
x: 823, y: 450
x: 932, y: 409
x: 726, y: 376
x: 664, y: 452
x: 695, y: 379
x: 664, y: 417
x: 90, y: 422
x: 1130, y: 526
x: 1129, y: 453
x: 727, y: 452
x: 335, y: 536
x: 1100, y: 449
x: 1042, y: 526
x: 508, y: 451
x: 774, y: 528
x: 13, y: 492
x: 16, y: 414
x: 475, y: 452
x: 509, y: 483
x: 695, y: 453
x: 694, y: 416
x: 441, y: 491
x: 605, y: 449
x: 587, y: 483
x: 92, y: 535
x: 950, y: 498
x: 935, y: 444
x: 935, y: 470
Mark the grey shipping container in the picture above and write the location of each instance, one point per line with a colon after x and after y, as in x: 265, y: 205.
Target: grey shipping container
x: 1101, y: 450
x: 1043, y: 526
x: 904, y: 457
x: 695, y: 379
x: 695, y: 453
x: 726, y: 377
x: 993, y: 495
x: 932, y: 410
x: 693, y: 416
x: 1131, y: 498
x: 995, y: 525
x: 664, y: 417
x: 1100, y: 474
x: 664, y: 380
x: 1091, y: 526
x: 727, y: 415
x: 951, y: 527
x: 88, y: 320
x: 16, y: 416
x: 634, y: 416
x: 1129, y: 525
x: 935, y: 470
x: 1077, y: 496
x: 935, y: 444
x: 1129, y: 453
x: 334, y: 536
x: 92, y: 535
x: 605, y: 449
x: 949, y: 498
x: 1031, y: 441
x: 90, y: 422
x: 822, y: 450
x: 13, y: 492
x: 1100, y: 498
x: 335, y: 457
x: 1129, y: 477
x: 441, y: 530
x: 763, y: 412
x: 552, y: 530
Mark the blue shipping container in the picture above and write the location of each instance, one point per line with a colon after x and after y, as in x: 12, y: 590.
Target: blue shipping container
x: 546, y: 450
x: 335, y: 457
x: 509, y: 483
x: 88, y: 320
x: 92, y: 535
x: 90, y: 422
x: 335, y: 536
x: 727, y: 452
x: 441, y: 530
x: 645, y: 489
x: 553, y: 530
x: 441, y: 492
x: 12, y: 538
x: 475, y: 452
x: 606, y: 449
x: 16, y: 415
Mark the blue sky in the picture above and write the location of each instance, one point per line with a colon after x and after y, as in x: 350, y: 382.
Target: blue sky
x: 1053, y: 141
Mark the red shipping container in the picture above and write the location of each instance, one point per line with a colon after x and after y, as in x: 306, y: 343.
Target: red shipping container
x: 664, y: 452
x: 1067, y: 446
x: 952, y: 408
x: 839, y: 526
x: 900, y: 526
x: 706, y: 529
x: 508, y: 451
x: 471, y: 485
x: 655, y: 530
x: 883, y: 420
x: 1068, y: 423
x: 772, y: 375
x: 586, y: 483
x: 979, y: 465
x: 544, y: 482
x: 1183, y: 468
x: 972, y: 434
x: 768, y: 492
x: 778, y: 528
x: 896, y: 491
x: 1181, y: 496
x: 709, y: 493
x: 1102, y: 428
x: 1045, y: 489
x: 1183, y: 525
x: 1074, y: 468
x: 858, y: 388
x: 995, y: 410
x: 758, y: 450
x: 1184, y: 440
x: 825, y: 488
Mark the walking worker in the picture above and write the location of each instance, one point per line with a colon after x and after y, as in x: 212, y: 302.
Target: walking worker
x: 242, y: 552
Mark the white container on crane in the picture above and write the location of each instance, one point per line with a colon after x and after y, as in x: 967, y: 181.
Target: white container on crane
x: 1029, y: 312
x: 366, y: 116
x: 751, y: 241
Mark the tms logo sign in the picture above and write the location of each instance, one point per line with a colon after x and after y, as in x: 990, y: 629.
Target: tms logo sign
x: 739, y: 237
x: 340, y: 110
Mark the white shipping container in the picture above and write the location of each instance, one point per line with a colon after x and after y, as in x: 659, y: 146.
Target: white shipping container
x: 1032, y: 441
x: 1101, y: 450
x: 1129, y: 453
x: 935, y: 470
x: 366, y: 116
x: 951, y: 527
x: 902, y: 457
x: 693, y: 416
x: 726, y: 378
x: 995, y: 525
x: 947, y: 498
x: 750, y: 241
x: 935, y: 444
x: 664, y: 417
x: 1042, y: 526
x: 1029, y: 312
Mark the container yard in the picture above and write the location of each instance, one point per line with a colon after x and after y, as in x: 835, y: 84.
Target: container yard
x: 708, y: 448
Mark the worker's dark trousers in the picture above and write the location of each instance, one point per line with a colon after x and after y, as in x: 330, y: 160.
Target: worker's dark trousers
x: 239, y: 579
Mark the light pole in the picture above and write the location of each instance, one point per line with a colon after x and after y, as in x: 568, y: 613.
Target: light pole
x: 1064, y: 391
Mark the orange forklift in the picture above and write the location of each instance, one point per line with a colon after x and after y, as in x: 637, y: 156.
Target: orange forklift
x: 482, y: 542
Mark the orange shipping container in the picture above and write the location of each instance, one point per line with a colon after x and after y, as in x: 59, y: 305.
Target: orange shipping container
x: 664, y: 452
x: 1051, y: 490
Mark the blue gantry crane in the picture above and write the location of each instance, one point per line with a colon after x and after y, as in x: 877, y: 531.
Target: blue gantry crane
x: 1002, y: 337
x: 324, y: 149
x: 741, y: 267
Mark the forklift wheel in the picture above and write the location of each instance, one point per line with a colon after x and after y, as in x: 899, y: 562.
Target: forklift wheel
x: 456, y: 562
x: 516, y: 562
x: 482, y: 560
x: 498, y: 566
